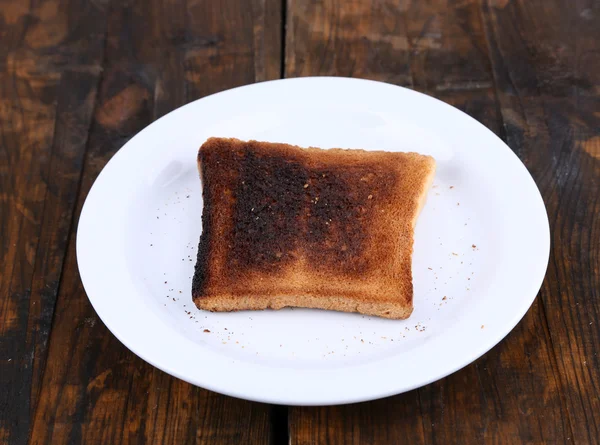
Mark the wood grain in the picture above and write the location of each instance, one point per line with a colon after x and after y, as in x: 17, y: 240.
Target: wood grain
x: 78, y: 79
x: 547, y: 71
x: 398, y: 419
x: 123, y: 64
x: 49, y: 71
x: 513, y: 394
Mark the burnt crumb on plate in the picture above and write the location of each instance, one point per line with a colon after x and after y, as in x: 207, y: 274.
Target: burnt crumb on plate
x: 207, y: 330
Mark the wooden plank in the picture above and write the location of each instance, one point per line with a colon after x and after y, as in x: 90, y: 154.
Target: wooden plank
x: 512, y: 394
x: 357, y: 39
x: 249, y: 36
x: 47, y: 91
x: 393, y: 420
x: 159, y: 54
x: 547, y: 71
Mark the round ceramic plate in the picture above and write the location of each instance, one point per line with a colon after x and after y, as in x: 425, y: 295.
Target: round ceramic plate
x: 480, y: 254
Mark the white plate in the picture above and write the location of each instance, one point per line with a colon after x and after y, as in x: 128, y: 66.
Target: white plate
x: 481, y: 248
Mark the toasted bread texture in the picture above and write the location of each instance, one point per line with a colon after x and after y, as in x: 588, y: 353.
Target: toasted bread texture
x: 306, y: 227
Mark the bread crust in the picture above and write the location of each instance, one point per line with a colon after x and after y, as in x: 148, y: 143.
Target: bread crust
x: 306, y: 227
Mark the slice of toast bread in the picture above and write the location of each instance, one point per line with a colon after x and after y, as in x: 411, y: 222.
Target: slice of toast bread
x: 306, y: 227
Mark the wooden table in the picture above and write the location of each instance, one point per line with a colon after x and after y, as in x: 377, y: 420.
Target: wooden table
x: 79, y: 78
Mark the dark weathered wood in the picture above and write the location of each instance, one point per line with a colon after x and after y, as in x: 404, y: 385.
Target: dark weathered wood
x: 513, y: 394
x: 547, y: 71
x: 159, y: 55
x: 357, y: 39
x: 388, y: 421
x: 239, y: 44
x: 49, y: 71
x: 78, y: 79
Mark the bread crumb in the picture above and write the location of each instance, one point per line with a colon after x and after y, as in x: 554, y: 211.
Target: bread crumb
x: 207, y: 330
x: 454, y: 253
x: 305, y: 185
x: 451, y: 186
x: 482, y: 326
x: 445, y: 298
x: 370, y: 196
x: 474, y: 246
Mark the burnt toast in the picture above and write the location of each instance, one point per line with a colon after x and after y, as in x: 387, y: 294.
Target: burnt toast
x: 307, y: 227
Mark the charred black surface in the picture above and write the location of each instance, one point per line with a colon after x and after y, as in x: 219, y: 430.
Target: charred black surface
x: 270, y: 199
x: 285, y: 207
x: 201, y: 268
x: 342, y: 202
